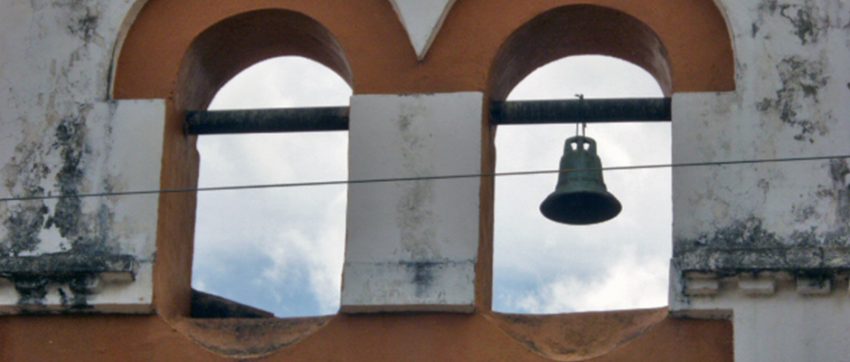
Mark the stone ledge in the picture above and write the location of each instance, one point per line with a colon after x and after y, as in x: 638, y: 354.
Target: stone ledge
x: 756, y: 285
x: 66, y: 265
x: 83, y: 274
x: 795, y: 259
x: 424, y: 286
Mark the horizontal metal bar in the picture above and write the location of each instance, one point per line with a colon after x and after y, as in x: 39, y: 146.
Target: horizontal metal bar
x: 502, y: 113
x: 267, y: 120
x: 587, y: 110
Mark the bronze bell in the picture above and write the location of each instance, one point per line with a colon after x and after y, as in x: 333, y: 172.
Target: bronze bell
x: 581, y: 197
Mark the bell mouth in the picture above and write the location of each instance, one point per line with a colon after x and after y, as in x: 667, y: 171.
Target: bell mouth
x: 581, y: 208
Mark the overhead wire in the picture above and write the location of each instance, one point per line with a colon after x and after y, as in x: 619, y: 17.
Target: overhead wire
x: 416, y: 178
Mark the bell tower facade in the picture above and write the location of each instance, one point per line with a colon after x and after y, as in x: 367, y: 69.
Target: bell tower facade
x: 98, y: 166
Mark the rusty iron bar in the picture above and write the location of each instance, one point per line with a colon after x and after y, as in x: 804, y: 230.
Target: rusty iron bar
x: 502, y: 113
x: 282, y: 120
x: 582, y: 111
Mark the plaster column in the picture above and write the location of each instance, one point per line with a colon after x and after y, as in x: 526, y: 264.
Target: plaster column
x: 413, y: 245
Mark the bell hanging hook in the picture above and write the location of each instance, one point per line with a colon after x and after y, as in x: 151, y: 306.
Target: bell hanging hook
x: 583, y: 123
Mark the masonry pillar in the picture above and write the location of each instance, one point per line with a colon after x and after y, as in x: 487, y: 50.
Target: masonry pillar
x: 413, y: 245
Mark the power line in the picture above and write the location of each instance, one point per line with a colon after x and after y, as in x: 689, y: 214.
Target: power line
x: 419, y: 178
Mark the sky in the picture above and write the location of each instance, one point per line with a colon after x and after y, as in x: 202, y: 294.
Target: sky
x: 282, y: 249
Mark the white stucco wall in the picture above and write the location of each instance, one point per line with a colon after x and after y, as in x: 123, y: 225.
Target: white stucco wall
x: 413, y: 245
x: 60, y: 134
x: 766, y: 244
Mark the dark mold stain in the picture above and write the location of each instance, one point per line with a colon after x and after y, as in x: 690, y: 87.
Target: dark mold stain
x: 807, y: 26
x: 748, y: 234
x: 26, y: 219
x: 839, y: 171
x: 23, y: 228
x: 765, y: 7
x: 769, y: 6
x: 70, y: 138
x: 84, y: 20
x: 31, y: 290
x: 250, y: 336
x: 86, y: 233
x: 816, y: 279
x: 747, y: 246
x: 81, y: 286
x: 414, y: 213
x: 423, y: 276
x: 801, y: 81
x: 33, y: 275
x: 90, y: 250
x: 804, y: 213
x: 84, y: 26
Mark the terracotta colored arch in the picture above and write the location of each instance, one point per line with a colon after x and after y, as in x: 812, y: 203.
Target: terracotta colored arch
x: 680, y: 60
x: 220, y: 51
x: 230, y: 46
x: 187, y: 63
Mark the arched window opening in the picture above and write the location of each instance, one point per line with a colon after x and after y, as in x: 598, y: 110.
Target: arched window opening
x: 279, y: 250
x: 544, y: 267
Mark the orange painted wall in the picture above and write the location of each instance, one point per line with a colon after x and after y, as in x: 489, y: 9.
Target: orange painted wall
x: 649, y: 336
x: 460, y: 59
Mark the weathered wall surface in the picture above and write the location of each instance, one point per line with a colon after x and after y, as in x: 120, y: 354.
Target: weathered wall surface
x: 791, y: 101
x: 767, y: 244
x: 61, y: 135
x: 413, y: 246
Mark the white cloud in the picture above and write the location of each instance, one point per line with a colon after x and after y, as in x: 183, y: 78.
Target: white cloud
x: 290, y: 239
x: 628, y: 284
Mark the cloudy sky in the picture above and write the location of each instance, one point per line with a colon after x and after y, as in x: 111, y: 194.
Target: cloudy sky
x: 282, y: 249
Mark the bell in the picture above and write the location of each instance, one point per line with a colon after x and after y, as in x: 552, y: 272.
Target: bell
x: 580, y: 198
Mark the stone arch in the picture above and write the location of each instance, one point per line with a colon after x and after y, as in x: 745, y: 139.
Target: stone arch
x: 686, y: 60
x: 247, y: 39
x: 186, y: 61
x: 209, y: 51
x: 685, y: 45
